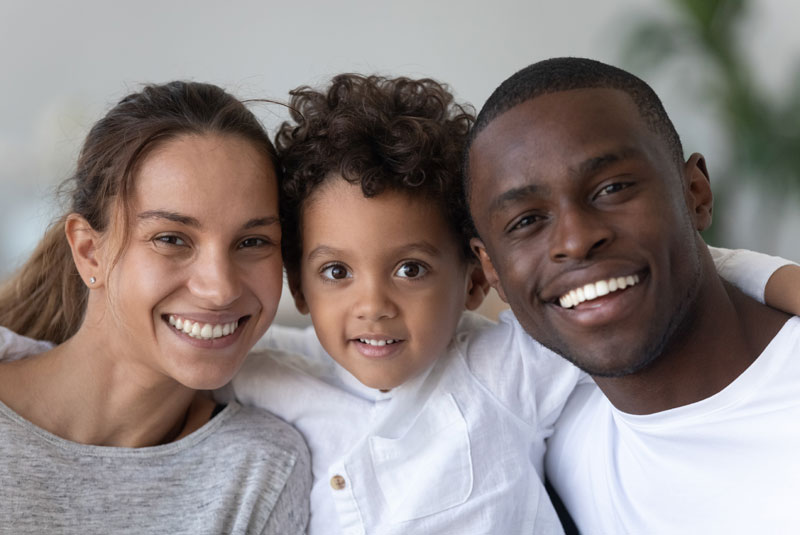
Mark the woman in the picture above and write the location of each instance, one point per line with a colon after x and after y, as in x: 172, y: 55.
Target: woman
x: 155, y: 285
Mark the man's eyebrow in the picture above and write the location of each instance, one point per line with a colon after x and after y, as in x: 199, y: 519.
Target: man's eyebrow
x: 598, y: 163
x: 515, y: 194
x: 169, y: 216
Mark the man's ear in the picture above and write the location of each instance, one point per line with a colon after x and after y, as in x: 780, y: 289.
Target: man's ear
x: 297, y: 293
x: 699, y: 198
x: 488, y: 268
x: 85, y: 243
x: 477, y: 286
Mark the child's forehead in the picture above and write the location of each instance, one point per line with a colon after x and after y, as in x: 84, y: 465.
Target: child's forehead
x: 339, y: 211
x: 335, y: 193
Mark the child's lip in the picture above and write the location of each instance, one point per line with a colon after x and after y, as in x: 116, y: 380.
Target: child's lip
x: 377, y: 337
x: 378, y: 347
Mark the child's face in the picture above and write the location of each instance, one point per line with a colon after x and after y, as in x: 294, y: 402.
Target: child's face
x: 384, y: 281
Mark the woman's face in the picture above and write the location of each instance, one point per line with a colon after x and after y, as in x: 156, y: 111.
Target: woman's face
x: 199, y: 281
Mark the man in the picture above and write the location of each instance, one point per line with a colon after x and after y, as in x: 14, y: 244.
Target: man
x: 588, y: 220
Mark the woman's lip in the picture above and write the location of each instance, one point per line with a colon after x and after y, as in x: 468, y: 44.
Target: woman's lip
x: 212, y: 343
x: 206, y: 317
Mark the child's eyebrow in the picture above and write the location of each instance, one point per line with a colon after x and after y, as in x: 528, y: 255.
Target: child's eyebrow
x: 322, y: 250
x: 409, y: 248
x: 422, y: 246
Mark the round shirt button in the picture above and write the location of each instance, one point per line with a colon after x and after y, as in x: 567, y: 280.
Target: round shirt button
x: 337, y: 482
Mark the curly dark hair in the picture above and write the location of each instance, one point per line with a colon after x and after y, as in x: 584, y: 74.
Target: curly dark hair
x: 394, y: 134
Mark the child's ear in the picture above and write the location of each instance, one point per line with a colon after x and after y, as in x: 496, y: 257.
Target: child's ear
x: 699, y: 198
x: 85, y: 244
x: 477, y: 286
x: 488, y: 268
x: 297, y: 294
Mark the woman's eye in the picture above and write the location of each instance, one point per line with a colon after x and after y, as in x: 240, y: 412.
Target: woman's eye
x: 335, y: 272
x: 169, y: 239
x: 411, y: 270
x: 252, y: 242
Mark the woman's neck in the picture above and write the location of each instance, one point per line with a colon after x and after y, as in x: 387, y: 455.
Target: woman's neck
x: 82, y: 391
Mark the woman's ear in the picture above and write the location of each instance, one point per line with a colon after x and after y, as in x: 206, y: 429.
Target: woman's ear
x: 488, y: 268
x: 699, y: 198
x: 477, y: 286
x: 85, y: 243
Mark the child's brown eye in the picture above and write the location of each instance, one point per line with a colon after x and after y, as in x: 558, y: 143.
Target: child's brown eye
x: 411, y: 270
x: 335, y: 272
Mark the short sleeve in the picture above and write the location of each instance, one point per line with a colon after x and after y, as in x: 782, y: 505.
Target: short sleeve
x: 747, y: 270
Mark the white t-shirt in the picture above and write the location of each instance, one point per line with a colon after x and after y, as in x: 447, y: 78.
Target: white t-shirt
x: 458, y: 449
x: 726, y: 464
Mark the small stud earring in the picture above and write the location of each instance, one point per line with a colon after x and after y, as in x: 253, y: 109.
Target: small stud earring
x: 92, y: 280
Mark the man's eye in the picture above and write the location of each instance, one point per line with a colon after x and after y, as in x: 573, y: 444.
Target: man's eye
x: 612, y: 188
x: 411, y: 270
x: 169, y: 239
x: 335, y: 272
x: 525, y: 221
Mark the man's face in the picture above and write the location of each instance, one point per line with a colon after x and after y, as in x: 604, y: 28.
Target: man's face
x: 588, y: 227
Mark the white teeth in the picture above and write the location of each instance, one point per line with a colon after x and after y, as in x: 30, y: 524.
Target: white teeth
x: 596, y: 289
x: 206, y: 331
x: 377, y: 343
x: 602, y: 288
x: 203, y: 331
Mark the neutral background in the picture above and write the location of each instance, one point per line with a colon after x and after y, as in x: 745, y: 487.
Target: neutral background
x: 65, y: 63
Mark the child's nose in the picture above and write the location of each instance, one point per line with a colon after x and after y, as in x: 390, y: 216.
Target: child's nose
x: 374, y: 302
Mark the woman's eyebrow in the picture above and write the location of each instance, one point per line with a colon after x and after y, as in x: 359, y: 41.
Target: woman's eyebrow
x: 261, y: 222
x: 190, y: 221
x: 169, y: 216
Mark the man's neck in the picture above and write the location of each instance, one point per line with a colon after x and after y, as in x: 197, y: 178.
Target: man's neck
x: 718, y: 340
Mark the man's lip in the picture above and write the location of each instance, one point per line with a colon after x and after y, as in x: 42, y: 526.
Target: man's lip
x: 571, y: 280
x: 606, y: 310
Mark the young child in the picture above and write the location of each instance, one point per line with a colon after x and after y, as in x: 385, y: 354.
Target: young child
x: 426, y: 419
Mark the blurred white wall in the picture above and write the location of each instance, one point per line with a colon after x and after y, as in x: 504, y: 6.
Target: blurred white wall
x: 65, y: 63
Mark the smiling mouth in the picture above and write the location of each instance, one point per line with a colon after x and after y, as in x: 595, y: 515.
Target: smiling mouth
x: 594, y: 290
x: 378, y: 343
x: 205, y: 331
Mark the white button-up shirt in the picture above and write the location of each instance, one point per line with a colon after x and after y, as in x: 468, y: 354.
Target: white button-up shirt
x: 458, y: 449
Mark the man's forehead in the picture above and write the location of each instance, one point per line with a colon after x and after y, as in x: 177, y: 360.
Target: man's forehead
x: 555, y: 123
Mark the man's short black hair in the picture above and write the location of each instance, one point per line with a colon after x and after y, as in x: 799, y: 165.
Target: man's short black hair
x: 563, y: 74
